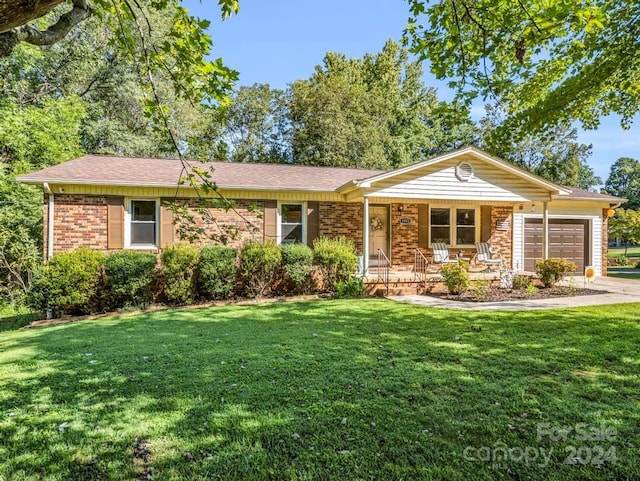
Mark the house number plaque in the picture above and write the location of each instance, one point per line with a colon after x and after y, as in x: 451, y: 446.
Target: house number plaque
x: 405, y: 220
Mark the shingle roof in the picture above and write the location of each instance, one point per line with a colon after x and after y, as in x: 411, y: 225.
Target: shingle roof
x: 112, y: 170
x: 108, y: 170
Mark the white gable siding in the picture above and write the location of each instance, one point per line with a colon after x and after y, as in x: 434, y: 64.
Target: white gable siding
x: 489, y: 183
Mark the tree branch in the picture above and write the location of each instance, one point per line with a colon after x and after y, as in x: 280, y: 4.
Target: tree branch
x: 56, y: 32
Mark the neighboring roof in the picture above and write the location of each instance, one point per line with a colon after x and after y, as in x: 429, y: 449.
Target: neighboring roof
x: 109, y: 170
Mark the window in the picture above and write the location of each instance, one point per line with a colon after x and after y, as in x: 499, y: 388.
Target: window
x: 453, y: 226
x: 441, y: 225
x: 143, y: 223
x: 291, y: 223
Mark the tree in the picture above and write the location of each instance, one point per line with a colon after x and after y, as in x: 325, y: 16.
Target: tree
x: 624, y: 181
x: 371, y: 112
x: 558, y: 156
x: 547, y: 63
x: 256, y: 125
x: 625, y: 225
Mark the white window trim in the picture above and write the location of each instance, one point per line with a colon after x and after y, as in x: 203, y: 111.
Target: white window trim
x: 127, y: 224
x: 453, y: 226
x: 279, y: 220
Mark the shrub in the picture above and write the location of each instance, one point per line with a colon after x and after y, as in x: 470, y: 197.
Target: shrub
x: 638, y: 265
x: 69, y: 283
x: 336, y: 259
x: 179, y: 264
x: 217, y: 272
x: 456, y: 278
x: 129, y: 276
x: 481, y: 288
x: 553, y: 270
x: 521, y: 281
x: 531, y: 291
x: 622, y: 260
x: 297, y: 262
x: 353, y: 287
x: 259, y: 266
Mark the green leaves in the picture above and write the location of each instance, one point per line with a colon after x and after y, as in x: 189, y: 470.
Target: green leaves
x: 550, y: 62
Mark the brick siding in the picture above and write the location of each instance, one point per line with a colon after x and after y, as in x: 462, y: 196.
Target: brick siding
x: 501, y: 241
x: 78, y: 221
x: 342, y: 219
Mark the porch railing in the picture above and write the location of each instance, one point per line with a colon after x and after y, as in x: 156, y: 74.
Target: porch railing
x: 420, y: 265
x: 383, y: 268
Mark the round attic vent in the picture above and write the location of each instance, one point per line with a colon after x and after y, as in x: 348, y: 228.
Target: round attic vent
x: 464, y: 171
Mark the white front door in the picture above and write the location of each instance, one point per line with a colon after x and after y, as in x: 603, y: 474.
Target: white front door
x: 378, y: 230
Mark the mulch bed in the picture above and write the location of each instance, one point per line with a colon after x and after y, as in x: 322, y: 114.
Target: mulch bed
x: 498, y: 295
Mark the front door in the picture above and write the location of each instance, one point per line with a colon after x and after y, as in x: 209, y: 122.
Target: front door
x: 378, y: 231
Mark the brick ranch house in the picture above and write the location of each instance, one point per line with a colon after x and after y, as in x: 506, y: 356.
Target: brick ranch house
x: 459, y: 198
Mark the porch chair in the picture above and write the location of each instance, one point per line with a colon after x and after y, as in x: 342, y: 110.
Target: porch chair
x: 485, y: 255
x: 441, y: 254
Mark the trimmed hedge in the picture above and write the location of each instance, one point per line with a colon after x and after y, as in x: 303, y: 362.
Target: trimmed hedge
x: 178, y: 270
x: 297, y: 264
x: 553, y: 270
x: 129, y: 276
x: 217, y: 272
x: 336, y: 258
x: 259, y: 267
x: 69, y: 283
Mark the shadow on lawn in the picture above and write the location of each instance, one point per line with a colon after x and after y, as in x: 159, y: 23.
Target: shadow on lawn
x: 333, y: 390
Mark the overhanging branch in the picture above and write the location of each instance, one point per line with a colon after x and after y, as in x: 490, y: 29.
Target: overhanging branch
x: 56, y: 32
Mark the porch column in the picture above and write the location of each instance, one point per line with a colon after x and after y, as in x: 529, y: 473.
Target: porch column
x: 365, y: 237
x: 545, y: 230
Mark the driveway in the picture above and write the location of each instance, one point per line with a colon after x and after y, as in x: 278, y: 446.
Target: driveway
x: 618, y: 291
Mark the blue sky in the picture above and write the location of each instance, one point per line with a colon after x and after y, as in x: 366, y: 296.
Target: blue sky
x: 279, y: 41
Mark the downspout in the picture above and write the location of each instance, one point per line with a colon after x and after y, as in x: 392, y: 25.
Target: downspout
x: 49, y: 192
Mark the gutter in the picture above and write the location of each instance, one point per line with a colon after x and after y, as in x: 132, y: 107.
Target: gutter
x: 49, y: 192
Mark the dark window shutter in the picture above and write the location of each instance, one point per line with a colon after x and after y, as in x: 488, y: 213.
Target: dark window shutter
x: 115, y: 222
x: 167, y: 229
x: 270, y: 219
x: 313, y: 219
x: 485, y: 223
x: 423, y: 226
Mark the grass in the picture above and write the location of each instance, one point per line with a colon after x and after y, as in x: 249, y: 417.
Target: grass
x: 351, y: 389
x: 616, y: 251
x: 14, y: 318
x: 628, y: 272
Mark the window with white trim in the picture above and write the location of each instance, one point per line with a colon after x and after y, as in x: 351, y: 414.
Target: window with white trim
x: 143, y: 223
x: 291, y: 223
x: 455, y: 226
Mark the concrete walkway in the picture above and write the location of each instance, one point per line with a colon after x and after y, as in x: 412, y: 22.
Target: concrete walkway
x: 617, y: 291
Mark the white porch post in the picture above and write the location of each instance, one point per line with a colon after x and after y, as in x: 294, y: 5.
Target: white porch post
x: 545, y: 230
x: 365, y: 237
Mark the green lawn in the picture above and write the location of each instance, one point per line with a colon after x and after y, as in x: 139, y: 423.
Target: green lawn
x: 12, y: 318
x: 361, y: 389
x: 616, y: 251
x: 623, y: 272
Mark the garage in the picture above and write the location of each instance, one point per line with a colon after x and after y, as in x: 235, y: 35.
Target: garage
x: 568, y: 239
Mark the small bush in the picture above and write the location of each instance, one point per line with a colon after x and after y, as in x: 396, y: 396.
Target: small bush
x: 259, y: 267
x: 297, y: 263
x: 336, y: 259
x: 179, y: 265
x: 554, y: 270
x: 481, y: 288
x: 69, y: 283
x: 622, y: 260
x: 129, y: 276
x: 521, y: 281
x: 456, y: 278
x: 217, y: 272
x: 638, y: 265
x: 353, y: 287
x: 531, y: 291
